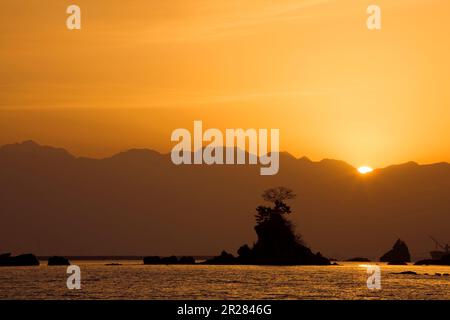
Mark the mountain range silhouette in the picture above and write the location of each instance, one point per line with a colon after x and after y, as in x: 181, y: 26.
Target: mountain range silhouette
x: 138, y: 203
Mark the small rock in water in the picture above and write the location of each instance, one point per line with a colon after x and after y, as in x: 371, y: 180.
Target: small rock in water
x: 58, y: 261
x: 408, y: 272
x: 18, y: 261
x: 437, y: 274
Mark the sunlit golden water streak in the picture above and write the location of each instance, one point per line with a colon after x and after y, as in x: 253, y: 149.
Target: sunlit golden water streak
x: 132, y: 280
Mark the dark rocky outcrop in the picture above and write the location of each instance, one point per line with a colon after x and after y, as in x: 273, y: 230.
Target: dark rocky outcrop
x: 398, y: 255
x: 5, y: 256
x: 444, y: 261
x: 186, y: 260
x: 358, y: 259
x: 277, y: 243
x: 169, y: 260
x: 152, y: 260
x: 21, y: 260
x: 406, y: 272
x: 224, y: 258
x: 58, y: 261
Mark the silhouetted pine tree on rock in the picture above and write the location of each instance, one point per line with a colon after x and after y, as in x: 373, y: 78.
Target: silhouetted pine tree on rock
x: 277, y: 243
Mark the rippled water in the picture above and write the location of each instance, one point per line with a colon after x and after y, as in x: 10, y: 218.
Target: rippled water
x: 132, y: 280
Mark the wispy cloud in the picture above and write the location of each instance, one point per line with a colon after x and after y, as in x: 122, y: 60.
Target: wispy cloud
x: 214, y: 21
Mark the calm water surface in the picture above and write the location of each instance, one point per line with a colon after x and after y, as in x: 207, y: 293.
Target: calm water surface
x: 132, y: 280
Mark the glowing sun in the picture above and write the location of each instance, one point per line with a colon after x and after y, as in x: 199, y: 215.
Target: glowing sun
x: 365, y: 169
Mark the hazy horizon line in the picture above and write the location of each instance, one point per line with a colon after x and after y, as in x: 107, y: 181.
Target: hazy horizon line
x: 246, y: 151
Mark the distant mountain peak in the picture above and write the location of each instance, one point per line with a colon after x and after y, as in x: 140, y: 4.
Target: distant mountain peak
x: 336, y: 164
x: 305, y: 159
x: 406, y: 165
x: 29, y: 143
x: 138, y: 151
x: 24, y: 144
x: 136, y: 154
x: 32, y: 148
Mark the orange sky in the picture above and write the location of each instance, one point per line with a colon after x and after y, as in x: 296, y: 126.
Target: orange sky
x: 139, y: 69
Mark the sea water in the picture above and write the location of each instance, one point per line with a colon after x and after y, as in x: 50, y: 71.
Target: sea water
x: 133, y: 280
